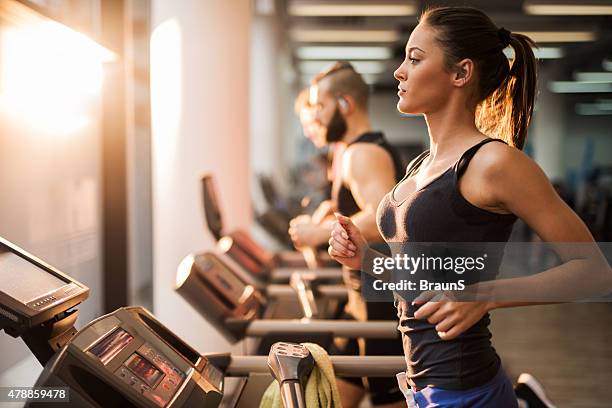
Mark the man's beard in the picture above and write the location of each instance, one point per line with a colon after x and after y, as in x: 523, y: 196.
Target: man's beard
x: 336, y: 127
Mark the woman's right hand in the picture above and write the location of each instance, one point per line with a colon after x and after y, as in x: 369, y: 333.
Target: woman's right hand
x: 347, y: 244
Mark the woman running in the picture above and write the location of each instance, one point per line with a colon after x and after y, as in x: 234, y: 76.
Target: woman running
x: 470, y: 186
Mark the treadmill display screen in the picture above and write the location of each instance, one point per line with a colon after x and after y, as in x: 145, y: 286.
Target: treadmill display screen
x: 146, y: 371
x: 24, y: 281
x: 111, y: 345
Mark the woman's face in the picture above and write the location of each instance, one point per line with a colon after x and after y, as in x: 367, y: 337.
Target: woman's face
x: 424, y: 83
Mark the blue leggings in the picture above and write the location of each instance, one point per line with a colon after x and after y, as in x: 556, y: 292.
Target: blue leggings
x: 497, y: 393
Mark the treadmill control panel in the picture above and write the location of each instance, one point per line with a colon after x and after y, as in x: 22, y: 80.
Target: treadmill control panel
x: 151, y: 374
x: 145, y: 369
x: 218, y: 292
x: 124, y: 358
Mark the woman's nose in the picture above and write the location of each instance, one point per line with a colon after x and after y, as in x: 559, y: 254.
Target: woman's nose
x: 399, y: 73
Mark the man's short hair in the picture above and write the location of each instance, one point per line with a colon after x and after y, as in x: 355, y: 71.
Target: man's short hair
x: 344, y: 80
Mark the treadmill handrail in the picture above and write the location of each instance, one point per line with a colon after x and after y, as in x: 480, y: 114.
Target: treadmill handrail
x: 283, y: 273
x: 344, y: 366
x: 373, y: 329
x: 276, y: 291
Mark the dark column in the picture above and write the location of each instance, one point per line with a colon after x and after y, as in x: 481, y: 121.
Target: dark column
x: 114, y: 176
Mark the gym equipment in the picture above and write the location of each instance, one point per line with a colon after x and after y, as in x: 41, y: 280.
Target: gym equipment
x: 126, y: 358
x: 37, y: 301
x: 290, y: 365
x: 234, y: 307
x: 256, y: 260
x: 344, y: 366
x: 276, y: 217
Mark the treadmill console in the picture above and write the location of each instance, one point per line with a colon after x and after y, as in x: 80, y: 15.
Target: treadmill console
x: 124, y: 359
x: 31, y: 291
x: 212, y: 209
x: 128, y: 355
x: 217, y: 292
x: 237, y: 244
x: 146, y: 369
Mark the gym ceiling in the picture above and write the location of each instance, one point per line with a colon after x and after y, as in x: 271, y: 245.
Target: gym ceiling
x: 575, y: 38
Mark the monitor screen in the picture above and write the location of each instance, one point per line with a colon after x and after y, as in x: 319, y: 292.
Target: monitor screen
x: 111, y: 345
x: 24, y: 281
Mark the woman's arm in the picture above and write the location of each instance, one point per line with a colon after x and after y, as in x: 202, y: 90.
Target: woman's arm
x: 507, y: 180
x: 519, y: 185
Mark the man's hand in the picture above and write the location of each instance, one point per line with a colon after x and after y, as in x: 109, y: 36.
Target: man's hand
x: 305, y: 233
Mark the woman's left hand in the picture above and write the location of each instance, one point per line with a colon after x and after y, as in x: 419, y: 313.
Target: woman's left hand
x: 450, y: 316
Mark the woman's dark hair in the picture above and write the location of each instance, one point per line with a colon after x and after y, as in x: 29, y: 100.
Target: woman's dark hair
x: 506, y: 92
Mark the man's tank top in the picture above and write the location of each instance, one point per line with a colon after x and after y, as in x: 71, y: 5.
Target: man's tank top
x: 438, y: 212
x: 341, y: 195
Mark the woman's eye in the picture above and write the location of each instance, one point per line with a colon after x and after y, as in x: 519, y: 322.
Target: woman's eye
x: 413, y: 60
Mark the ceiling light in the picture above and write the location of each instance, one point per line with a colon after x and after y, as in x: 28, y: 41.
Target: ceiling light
x: 339, y: 36
x: 593, y: 76
x: 579, y: 87
x: 590, y: 109
x: 344, y: 53
x: 348, y: 9
x: 540, y: 53
x: 559, y: 8
x: 604, y: 104
x: 363, y: 67
x: 548, y: 53
x: 559, y: 36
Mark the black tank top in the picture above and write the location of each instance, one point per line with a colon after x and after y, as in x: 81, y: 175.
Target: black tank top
x: 342, y: 196
x: 438, y: 212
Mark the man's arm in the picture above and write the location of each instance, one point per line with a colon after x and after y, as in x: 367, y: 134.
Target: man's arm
x: 369, y: 173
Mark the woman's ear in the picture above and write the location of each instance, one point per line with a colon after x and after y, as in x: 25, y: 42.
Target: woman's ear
x: 464, y: 72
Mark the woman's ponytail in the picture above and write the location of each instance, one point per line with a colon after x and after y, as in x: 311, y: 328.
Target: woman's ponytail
x: 506, y: 113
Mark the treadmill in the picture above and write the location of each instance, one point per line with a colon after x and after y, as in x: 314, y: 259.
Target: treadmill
x: 262, y: 264
x: 235, y: 307
x: 276, y: 217
x: 315, y: 298
x: 128, y: 358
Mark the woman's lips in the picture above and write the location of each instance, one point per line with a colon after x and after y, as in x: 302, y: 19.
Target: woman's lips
x: 401, y: 91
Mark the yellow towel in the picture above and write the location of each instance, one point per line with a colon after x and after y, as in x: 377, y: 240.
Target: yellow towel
x: 321, y: 389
